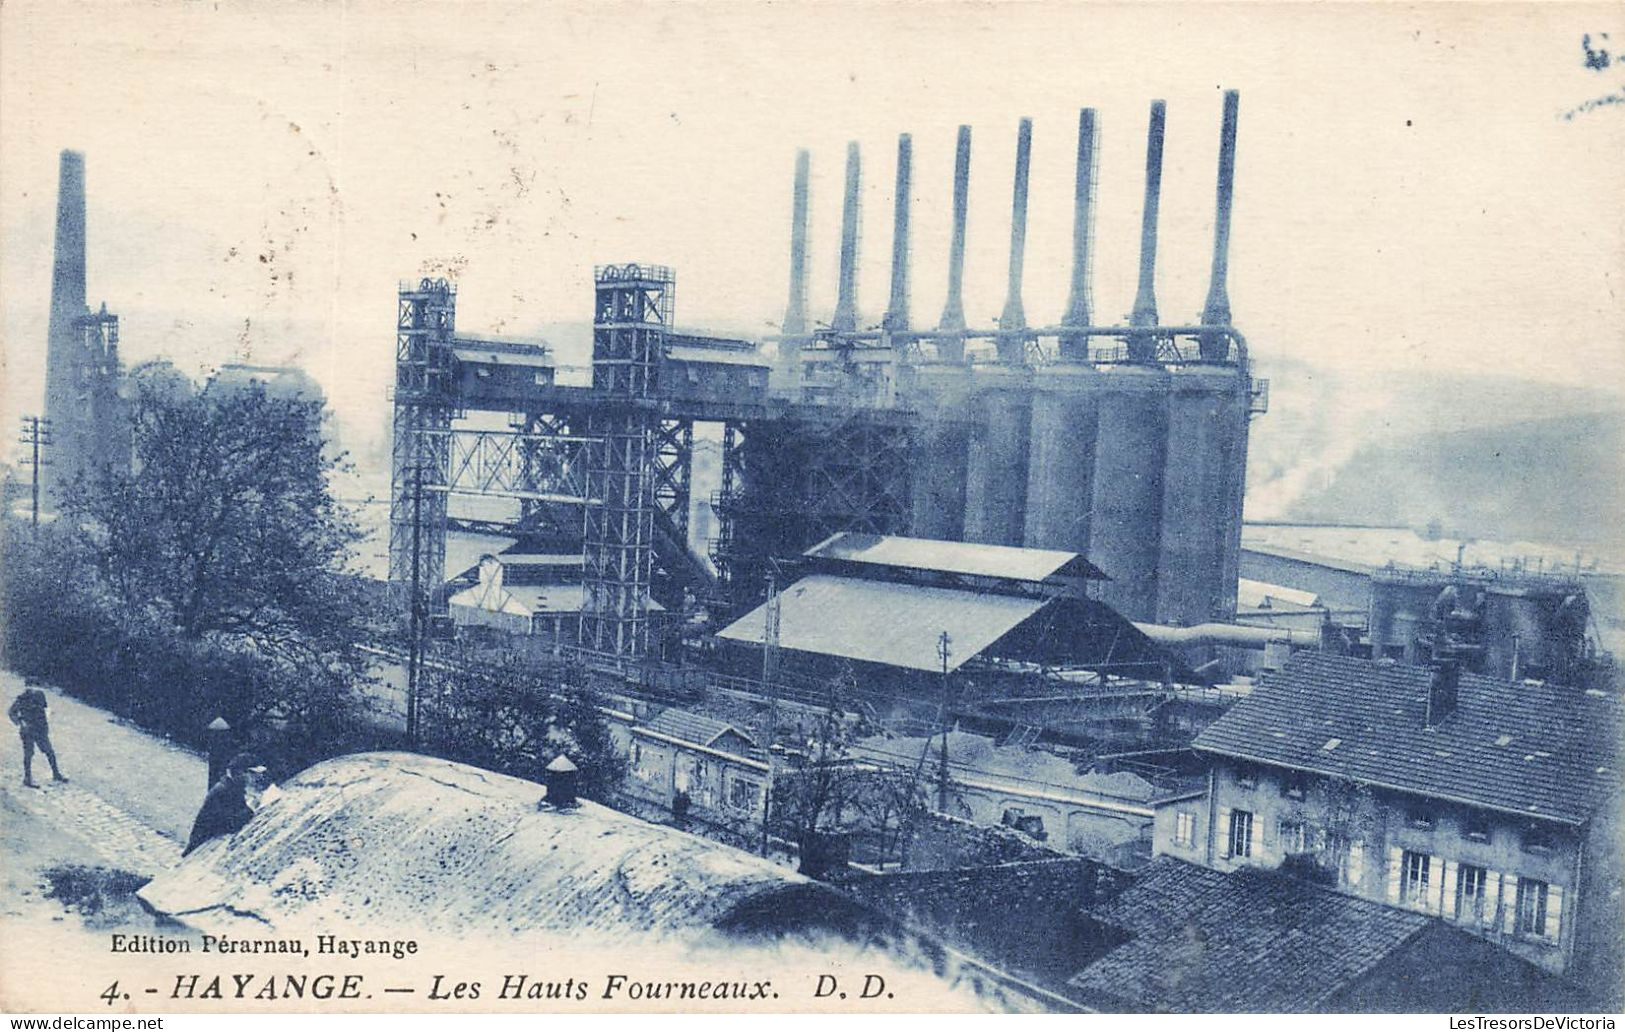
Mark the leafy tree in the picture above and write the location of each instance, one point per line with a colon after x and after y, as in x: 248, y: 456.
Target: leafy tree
x: 226, y: 525
x: 220, y: 552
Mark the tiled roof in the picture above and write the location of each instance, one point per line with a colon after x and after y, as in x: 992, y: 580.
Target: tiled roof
x: 1523, y: 747
x: 691, y: 727
x: 1244, y: 941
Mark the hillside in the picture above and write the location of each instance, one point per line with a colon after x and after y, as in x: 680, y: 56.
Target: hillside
x: 1558, y: 479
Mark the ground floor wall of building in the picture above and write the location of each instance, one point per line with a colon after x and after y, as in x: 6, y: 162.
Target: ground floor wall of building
x: 1490, y: 874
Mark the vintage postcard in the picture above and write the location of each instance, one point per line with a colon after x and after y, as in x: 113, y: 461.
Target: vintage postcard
x: 812, y: 507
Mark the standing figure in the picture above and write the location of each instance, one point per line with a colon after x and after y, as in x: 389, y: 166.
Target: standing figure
x: 230, y: 803
x: 28, y: 713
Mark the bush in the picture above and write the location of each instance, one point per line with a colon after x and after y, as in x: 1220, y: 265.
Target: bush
x: 505, y: 716
x: 58, y: 630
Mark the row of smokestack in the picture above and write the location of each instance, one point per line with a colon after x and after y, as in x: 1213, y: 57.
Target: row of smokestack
x: 1013, y: 328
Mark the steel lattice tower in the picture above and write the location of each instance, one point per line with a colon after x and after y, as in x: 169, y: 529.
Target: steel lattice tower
x: 632, y: 317
x: 424, y: 403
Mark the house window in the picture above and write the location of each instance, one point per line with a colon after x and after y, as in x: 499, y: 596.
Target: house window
x: 742, y: 794
x: 1241, y: 833
x: 1246, y: 777
x: 1470, y: 881
x: 1413, y: 877
x: 1538, y: 839
x: 1294, y: 785
x: 1532, y: 894
x: 1184, y: 829
x: 1419, y: 817
x: 1294, y: 836
x: 1476, y: 826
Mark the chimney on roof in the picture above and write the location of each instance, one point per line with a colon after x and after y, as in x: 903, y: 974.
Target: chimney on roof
x: 1444, y: 680
x: 561, y: 777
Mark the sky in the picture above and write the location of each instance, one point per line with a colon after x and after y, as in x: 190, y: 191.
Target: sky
x: 1422, y: 189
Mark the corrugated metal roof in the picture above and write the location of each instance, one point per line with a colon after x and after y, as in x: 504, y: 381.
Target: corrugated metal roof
x: 540, y: 559
x: 1523, y: 747
x: 478, y: 356
x: 961, y: 557
x: 558, y: 598
x: 465, y: 549
x: 883, y: 622
x: 1256, y: 594
x: 719, y: 356
x: 1374, y: 547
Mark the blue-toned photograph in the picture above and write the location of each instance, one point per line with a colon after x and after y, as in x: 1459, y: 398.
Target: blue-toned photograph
x: 852, y: 508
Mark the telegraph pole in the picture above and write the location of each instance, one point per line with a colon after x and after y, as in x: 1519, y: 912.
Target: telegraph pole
x: 770, y: 662
x: 36, y: 433
x: 414, y: 657
x: 943, y: 642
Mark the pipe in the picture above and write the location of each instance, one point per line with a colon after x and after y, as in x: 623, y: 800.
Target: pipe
x: 897, y: 309
x: 846, y: 304
x: 1076, y: 347
x: 972, y: 333
x: 1238, y: 635
x: 953, y: 311
x: 1216, y: 312
x: 1143, y: 347
x: 1012, y: 345
x: 795, y: 311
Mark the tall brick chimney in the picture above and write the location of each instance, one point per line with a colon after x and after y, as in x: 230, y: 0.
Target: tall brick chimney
x: 62, y: 350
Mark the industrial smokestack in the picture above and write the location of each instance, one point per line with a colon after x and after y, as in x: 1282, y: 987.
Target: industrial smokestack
x: 1011, y: 342
x: 67, y: 304
x: 1217, y: 310
x: 953, y: 312
x: 1079, y: 304
x: 1142, y: 348
x: 795, y: 312
x: 846, y: 304
x: 897, y: 308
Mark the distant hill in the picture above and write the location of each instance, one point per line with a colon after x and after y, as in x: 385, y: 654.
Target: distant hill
x: 1559, y: 480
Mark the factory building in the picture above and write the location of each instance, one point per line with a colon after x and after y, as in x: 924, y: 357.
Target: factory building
x: 1512, y: 609
x: 1124, y: 445
x: 905, y: 612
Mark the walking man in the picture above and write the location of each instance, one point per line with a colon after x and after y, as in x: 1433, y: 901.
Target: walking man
x: 28, y: 713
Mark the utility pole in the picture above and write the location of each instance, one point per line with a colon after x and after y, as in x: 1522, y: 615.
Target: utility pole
x: 414, y: 655
x: 943, y: 652
x: 36, y: 434
x: 770, y: 662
